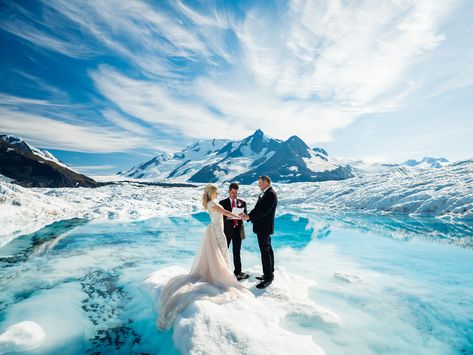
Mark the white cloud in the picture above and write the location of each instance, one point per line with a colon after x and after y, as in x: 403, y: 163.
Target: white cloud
x: 6, y: 99
x: 304, y: 67
x: 314, y: 73
x: 346, y: 53
x: 123, y: 122
x: 46, y: 132
x: 143, y: 34
x: 155, y: 104
x: 40, y: 38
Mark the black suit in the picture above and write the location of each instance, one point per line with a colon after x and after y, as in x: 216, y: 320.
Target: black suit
x: 262, y: 217
x: 234, y: 233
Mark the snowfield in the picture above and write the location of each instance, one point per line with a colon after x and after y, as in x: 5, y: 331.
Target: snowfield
x: 446, y: 193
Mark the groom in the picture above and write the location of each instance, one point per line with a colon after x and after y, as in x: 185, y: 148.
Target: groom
x: 234, y: 229
x: 262, y: 217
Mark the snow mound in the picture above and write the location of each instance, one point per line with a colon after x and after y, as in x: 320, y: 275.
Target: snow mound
x: 22, y: 336
x: 246, y: 325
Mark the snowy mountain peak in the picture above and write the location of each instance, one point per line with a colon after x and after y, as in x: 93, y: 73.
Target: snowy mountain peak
x: 243, y: 161
x: 255, y: 144
x: 25, y: 147
x: 257, y: 141
x: 297, y: 146
x: 29, y: 166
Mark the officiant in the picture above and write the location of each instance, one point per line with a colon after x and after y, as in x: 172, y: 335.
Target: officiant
x: 235, y: 229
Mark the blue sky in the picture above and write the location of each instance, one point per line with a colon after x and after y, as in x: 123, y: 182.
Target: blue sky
x: 105, y: 85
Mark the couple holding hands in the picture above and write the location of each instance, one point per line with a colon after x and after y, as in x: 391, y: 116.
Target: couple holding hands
x: 210, y: 277
x: 262, y: 217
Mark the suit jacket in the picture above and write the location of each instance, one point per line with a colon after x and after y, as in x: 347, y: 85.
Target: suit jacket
x: 262, y: 215
x: 228, y: 223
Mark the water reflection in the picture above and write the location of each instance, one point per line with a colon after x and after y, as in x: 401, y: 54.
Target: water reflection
x: 100, y: 265
x: 38, y: 243
x: 396, y: 227
x: 297, y: 229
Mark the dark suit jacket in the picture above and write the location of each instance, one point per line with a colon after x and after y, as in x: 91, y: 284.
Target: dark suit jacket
x: 228, y: 223
x: 262, y: 215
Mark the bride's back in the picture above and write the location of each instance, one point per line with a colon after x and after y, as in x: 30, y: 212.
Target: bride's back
x: 215, y: 217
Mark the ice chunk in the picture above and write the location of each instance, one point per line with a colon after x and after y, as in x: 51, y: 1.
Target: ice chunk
x: 23, y: 336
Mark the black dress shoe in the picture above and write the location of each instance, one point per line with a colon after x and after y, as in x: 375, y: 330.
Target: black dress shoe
x: 261, y: 278
x: 242, y: 276
x: 264, y: 284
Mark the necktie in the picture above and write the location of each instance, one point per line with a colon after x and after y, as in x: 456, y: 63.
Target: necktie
x: 235, y: 222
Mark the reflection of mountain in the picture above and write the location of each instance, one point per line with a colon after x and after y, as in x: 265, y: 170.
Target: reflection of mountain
x: 292, y: 231
x: 396, y: 227
x: 38, y: 243
x: 297, y: 230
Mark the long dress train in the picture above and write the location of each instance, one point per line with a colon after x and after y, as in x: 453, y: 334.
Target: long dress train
x: 210, y: 276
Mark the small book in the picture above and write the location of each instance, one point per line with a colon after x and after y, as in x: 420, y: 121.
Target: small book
x: 237, y: 211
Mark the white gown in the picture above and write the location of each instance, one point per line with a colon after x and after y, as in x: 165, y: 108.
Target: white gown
x: 210, y: 277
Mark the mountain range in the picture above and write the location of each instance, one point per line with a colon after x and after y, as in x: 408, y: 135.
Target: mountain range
x: 220, y: 160
x: 215, y: 160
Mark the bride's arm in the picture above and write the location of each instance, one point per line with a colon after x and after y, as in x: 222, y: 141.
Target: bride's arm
x: 226, y: 213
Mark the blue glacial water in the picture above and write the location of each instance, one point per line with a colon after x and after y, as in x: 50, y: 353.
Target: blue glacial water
x: 400, y: 285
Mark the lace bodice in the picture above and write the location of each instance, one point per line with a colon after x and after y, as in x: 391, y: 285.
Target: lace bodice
x: 215, y: 218
x: 216, y: 223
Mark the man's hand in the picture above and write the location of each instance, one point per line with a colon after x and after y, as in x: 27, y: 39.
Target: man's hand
x: 244, y: 216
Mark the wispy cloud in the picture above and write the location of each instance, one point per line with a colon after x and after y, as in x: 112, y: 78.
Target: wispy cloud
x: 40, y: 34
x: 155, y: 104
x: 46, y: 132
x: 123, y: 122
x: 6, y: 99
x: 202, y: 70
x: 145, y: 35
x: 328, y: 64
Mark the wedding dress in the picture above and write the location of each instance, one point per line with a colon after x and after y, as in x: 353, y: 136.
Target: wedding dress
x: 210, y: 277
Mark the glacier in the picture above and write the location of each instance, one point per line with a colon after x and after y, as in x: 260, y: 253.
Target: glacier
x: 445, y: 193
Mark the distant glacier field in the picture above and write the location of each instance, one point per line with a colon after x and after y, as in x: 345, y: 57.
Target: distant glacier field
x: 445, y: 193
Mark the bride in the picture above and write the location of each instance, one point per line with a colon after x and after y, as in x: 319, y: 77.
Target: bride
x: 210, y: 276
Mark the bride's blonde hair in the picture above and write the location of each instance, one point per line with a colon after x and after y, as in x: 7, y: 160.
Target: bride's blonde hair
x: 207, y: 195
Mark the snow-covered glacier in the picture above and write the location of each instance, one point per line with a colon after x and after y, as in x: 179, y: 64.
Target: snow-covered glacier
x: 445, y: 193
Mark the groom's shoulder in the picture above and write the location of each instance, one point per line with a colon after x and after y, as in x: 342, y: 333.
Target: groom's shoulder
x: 224, y: 200
x: 271, y: 191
